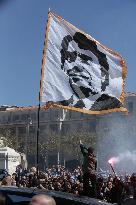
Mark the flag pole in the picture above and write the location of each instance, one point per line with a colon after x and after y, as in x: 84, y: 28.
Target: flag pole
x: 37, y: 138
x: 40, y: 94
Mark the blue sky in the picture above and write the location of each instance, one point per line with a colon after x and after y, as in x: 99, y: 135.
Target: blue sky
x: 22, y: 30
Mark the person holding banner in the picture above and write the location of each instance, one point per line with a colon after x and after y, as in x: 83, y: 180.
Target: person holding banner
x: 89, y: 171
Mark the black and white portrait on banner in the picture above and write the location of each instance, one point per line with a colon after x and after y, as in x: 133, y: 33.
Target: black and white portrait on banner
x: 79, y: 71
x: 79, y: 66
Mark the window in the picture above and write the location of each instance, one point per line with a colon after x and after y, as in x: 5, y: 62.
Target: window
x: 22, y: 130
x: 32, y: 130
x: 3, y: 119
x: 54, y: 127
x: 92, y: 126
x: 65, y: 129
x: 9, y: 118
x: 24, y: 117
x: 43, y: 129
x: 34, y: 116
x: 15, y: 118
x: 54, y: 114
x: 42, y: 115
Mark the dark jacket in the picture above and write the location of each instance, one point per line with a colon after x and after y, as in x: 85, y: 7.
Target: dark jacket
x: 89, y: 162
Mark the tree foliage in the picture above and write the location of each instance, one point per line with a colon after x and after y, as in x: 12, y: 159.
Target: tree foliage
x: 8, y: 137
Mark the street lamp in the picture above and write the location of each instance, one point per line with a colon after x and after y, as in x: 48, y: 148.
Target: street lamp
x: 61, y: 119
x: 29, y: 122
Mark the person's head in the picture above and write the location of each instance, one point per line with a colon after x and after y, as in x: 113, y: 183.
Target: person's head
x: 24, y: 177
x: 90, y: 150
x: 33, y: 169
x: 116, y: 181
x: 78, y: 63
x: 8, y: 176
x: 110, y: 179
x: 109, y: 185
x: 42, y: 199
x: 68, y: 186
x: 14, y: 175
x: 6, y: 181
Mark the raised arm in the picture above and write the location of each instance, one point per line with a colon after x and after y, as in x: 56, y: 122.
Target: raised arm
x: 83, y: 148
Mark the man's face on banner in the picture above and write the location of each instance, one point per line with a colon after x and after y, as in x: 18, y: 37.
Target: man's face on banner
x: 86, y: 66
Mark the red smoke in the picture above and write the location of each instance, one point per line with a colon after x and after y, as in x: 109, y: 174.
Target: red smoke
x: 113, y: 160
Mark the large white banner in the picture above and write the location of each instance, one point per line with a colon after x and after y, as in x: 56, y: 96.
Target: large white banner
x: 78, y: 72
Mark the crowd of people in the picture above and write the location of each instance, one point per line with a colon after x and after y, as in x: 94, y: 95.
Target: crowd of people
x: 58, y: 178
x: 80, y: 181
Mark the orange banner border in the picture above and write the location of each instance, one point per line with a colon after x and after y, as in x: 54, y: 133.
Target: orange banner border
x: 122, y: 63
x: 44, y: 54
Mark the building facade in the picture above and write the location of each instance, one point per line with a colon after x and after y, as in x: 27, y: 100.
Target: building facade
x: 60, y: 132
